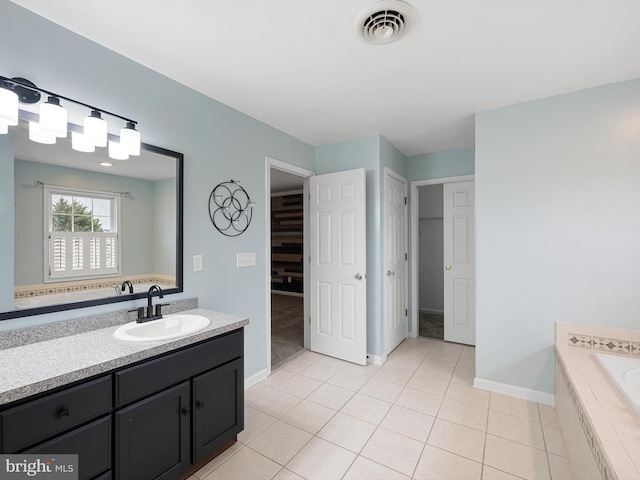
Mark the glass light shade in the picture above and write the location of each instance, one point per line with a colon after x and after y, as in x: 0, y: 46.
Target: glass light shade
x: 36, y: 135
x: 53, y: 118
x: 117, y: 151
x: 8, y: 107
x: 4, y: 128
x: 80, y: 143
x: 130, y: 139
x: 95, y: 129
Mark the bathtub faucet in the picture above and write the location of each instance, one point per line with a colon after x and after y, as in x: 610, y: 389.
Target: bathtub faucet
x: 125, y: 284
x: 115, y: 287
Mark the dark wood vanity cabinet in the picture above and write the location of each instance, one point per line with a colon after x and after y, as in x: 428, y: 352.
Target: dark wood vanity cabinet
x: 152, y: 420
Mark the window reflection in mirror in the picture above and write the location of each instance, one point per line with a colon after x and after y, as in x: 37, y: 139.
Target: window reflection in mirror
x: 82, y: 228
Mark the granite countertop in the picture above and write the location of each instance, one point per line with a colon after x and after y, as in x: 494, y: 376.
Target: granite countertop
x: 36, y: 367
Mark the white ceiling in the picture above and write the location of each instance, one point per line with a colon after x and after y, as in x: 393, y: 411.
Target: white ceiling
x: 298, y: 66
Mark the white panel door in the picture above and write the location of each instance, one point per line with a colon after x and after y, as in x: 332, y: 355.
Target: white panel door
x: 395, y: 250
x: 338, y: 255
x: 459, y: 263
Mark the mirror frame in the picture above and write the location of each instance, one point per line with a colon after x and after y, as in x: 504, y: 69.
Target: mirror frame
x: 27, y: 312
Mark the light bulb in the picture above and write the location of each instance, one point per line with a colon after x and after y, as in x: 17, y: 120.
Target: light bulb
x: 130, y: 139
x: 81, y: 144
x: 117, y: 151
x: 8, y: 106
x: 53, y: 118
x: 95, y: 129
x: 36, y: 135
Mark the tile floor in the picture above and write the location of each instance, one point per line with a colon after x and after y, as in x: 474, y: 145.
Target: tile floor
x: 415, y: 417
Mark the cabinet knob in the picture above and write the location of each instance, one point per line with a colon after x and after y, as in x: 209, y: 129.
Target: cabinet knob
x: 63, y: 413
x: 200, y: 405
x: 185, y: 411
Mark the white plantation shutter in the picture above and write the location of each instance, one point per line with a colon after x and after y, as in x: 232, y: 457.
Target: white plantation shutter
x: 83, y: 254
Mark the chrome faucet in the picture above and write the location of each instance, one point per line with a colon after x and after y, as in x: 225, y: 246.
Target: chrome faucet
x: 125, y: 284
x: 115, y: 287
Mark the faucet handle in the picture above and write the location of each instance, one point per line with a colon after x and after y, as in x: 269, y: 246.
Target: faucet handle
x: 140, y: 311
x: 159, y: 306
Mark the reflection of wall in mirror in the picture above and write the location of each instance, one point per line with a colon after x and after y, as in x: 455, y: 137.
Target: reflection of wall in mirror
x: 138, y: 218
x: 6, y: 223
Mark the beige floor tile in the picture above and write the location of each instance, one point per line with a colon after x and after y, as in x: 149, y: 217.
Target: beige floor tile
x: 368, y: 370
x: 219, y: 460
x: 560, y: 468
x: 419, y: 401
x: 464, y: 414
x: 436, y: 464
x: 255, y: 392
x: 278, y: 377
x: 408, y: 422
x: 311, y: 356
x: 393, y: 375
x: 393, y: 450
x: 333, y: 362
x: 463, y: 375
x: 255, y: 422
x: 366, y: 408
x: 331, y: 396
x: 349, y: 380
x: 297, y: 365
x: 319, y: 371
x: 514, y: 406
x: 467, y: 394
x: 429, y: 383
x: 554, y: 440
x: 490, y: 473
x: 309, y: 416
x: 466, y: 363
x: 364, y: 469
x: 457, y: 439
x: 515, y: 428
x: 245, y: 465
x: 321, y: 460
x: 406, y: 362
x: 299, y: 385
x: 381, y: 390
x: 276, y: 403
x: 435, y: 370
x: 516, y: 458
x: 450, y: 359
x: 347, y: 432
x: 548, y: 415
x: 285, y: 474
x: 280, y: 442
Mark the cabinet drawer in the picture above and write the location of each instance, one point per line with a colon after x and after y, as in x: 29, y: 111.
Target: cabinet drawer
x: 92, y: 444
x: 37, y: 420
x: 152, y: 376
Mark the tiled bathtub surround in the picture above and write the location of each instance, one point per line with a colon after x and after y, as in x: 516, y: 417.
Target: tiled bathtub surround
x: 608, y: 423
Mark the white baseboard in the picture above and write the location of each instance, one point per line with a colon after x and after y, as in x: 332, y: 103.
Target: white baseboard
x: 291, y: 294
x: 431, y: 310
x: 515, y: 391
x: 255, y: 378
x: 376, y: 359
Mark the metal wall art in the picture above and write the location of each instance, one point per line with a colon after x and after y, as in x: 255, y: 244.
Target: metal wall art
x: 230, y: 208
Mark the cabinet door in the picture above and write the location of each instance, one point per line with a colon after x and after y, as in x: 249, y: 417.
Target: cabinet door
x: 153, y: 436
x: 218, y: 399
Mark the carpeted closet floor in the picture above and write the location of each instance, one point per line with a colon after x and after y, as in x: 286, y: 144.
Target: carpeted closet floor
x: 287, y: 328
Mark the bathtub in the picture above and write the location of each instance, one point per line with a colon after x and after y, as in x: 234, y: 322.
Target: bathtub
x: 625, y: 373
x: 79, y: 296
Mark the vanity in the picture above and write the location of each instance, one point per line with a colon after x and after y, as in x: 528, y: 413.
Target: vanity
x: 142, y: 410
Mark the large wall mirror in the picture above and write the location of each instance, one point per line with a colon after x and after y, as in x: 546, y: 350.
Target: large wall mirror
x: 89, y: 230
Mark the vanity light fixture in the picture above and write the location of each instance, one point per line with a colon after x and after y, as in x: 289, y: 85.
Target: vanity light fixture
x: 53, y: 119
x: 117, y: 151
x: 81, y: 144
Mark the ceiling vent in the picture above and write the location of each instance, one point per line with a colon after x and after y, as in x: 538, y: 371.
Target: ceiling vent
x: 383, y: 22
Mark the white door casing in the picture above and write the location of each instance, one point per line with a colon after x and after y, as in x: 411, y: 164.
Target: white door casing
x: 459, y: 263
x: 395, y: 261
x: 337, y: 214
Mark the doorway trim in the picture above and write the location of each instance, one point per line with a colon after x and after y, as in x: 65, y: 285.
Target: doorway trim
x: 415, y: 207
x: 305, y: 174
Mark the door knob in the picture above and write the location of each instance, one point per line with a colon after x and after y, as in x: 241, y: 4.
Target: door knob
x: 358, y: 276
x: 448, y: 267
x: 389, y: 273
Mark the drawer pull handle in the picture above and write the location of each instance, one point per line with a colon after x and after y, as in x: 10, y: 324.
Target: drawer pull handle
x: 185, y: 411
x: 200, y: 405
x: 63, y: 413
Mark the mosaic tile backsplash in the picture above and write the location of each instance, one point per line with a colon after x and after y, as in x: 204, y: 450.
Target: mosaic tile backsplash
x: 606, y: 344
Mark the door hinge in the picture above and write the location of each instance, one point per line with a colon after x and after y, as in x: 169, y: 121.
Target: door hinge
x: 406, y: 256
x: 405, y: 200
x: 406, y: 312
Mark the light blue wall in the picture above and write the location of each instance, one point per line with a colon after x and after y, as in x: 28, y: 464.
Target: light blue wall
x: 137, y: 249
x: 449, y: 163
x: 6, y: 222
x: 164, y: 238
x: 558, y: 227
x: 219, y: 143
x: 362, y: 153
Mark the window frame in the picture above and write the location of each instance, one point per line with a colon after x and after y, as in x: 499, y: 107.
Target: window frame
x: 52, y: 277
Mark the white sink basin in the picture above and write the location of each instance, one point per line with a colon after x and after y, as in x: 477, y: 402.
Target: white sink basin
x: 168, y: 327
